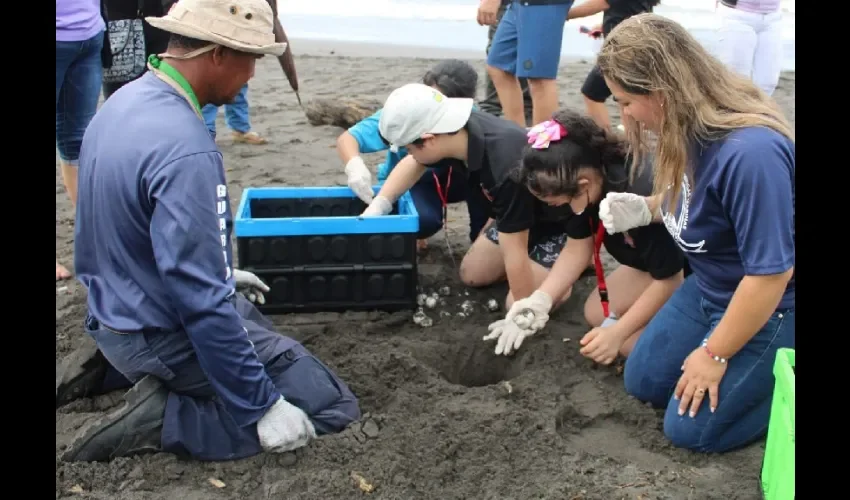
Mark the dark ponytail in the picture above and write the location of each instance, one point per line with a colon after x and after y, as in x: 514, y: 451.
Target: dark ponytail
x: 553, y: 171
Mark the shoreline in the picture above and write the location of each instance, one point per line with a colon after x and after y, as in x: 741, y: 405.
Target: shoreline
x: 314, y: 47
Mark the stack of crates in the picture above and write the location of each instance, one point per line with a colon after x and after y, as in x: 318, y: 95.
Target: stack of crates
x: 315, y: 252
x: 778, y: 472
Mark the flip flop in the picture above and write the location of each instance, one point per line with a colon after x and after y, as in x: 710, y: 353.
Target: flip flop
x: 249, y: 138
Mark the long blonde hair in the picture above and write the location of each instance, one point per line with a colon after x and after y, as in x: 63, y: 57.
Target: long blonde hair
x: 702, y: 100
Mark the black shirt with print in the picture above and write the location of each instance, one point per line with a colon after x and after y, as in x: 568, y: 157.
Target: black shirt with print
x: 649, y: 248
x: 494, y: 153
x: 620, y: 10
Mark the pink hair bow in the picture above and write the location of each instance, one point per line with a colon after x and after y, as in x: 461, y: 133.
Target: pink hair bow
x: 540, y: 135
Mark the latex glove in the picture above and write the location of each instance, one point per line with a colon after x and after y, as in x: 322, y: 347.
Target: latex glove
x: 508, y: 334
x: 379, y: 206
x: 284, y: 427
x: 359, y: 179
x: 620, y: 212
x: 250, y: 285
x: 532, y: 312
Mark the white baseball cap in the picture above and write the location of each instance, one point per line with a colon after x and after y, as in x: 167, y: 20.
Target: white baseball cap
x: 417, y: 109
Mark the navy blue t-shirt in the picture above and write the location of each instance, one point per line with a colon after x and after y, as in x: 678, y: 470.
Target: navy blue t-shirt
x: 736, y: 212
x: 152, y: 238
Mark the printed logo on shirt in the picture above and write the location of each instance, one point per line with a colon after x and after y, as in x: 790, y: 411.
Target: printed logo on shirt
x: 676, y: 226
x: 221, y: 210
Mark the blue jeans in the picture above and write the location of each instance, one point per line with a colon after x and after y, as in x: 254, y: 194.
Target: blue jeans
x: 79, y: 71
x: 196, y: 424
x: 235, y: 113
x: 429, y: 206
x: 654, y: 367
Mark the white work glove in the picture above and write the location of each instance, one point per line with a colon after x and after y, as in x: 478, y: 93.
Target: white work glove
x: 531, y: 312
x: 525, y: 318
x: 379, y: 206
x: 284, y: 427
x: 359, y: 179
x: 620, y: 212
x: 250, y: 285
x: 508, y: 334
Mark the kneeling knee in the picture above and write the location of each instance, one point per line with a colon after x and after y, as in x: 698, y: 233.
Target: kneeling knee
x: 473, y: 275
x: 338, y: 416
x: 640, y: 386
x: 686, y: 432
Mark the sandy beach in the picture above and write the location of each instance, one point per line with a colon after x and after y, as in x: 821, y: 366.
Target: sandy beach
x: 444, y: 417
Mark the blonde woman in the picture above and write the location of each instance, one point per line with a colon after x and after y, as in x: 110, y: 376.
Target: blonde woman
x: 724, y: 188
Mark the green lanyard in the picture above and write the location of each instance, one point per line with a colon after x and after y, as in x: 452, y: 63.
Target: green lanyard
x: 158, y: 64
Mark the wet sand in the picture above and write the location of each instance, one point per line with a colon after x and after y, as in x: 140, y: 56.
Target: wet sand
x: 444, y: 417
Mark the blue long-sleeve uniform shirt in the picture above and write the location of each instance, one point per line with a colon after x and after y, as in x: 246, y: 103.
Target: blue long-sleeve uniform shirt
x: 152, y: 239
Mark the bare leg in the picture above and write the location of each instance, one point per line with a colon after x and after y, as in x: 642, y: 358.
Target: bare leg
x: 484, y: 265
x: 510, y: 95
x: 69, y: 178
x: 544, y: 95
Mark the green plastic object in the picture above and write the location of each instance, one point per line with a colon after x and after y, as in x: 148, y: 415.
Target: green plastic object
x: 778, y: 471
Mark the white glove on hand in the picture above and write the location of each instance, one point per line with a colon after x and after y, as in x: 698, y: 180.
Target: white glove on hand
x: 284, y: 427
x: 620, y: 212
x: 531, y: 312
x: 359, y: 179
x: 250, y: 285
x: 510, y: 336
x: 379, y: 206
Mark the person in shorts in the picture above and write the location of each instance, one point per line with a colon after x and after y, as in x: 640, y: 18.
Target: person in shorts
x: 491, y: 103
x: 79, y: 66
x: 527, y: 44
x: 594, y: 89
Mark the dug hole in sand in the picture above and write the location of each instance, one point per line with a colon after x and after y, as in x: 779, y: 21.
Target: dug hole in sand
x: 444, y: 418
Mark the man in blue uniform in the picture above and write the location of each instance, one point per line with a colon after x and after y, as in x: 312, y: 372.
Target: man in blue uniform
x: 213, y: 381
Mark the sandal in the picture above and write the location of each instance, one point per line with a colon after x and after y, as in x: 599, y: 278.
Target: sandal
x: 249, y: 138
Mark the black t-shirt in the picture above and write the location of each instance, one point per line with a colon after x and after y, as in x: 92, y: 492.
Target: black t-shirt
x: 651, y: 248
x: 620, y: 10
x: 494, y: 152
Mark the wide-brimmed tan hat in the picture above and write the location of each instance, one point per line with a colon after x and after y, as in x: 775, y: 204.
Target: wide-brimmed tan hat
x: 243, y: 25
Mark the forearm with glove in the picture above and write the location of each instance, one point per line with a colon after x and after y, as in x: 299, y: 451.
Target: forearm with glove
x: 400, y: 180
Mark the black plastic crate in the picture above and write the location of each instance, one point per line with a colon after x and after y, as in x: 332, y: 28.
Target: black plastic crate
x: 316, y: 254
x: 344, y: 288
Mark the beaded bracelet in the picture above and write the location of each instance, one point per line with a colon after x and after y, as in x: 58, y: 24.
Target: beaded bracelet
x: 711, y: 354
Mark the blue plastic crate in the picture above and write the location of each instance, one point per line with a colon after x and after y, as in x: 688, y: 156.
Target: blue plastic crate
x: 316, y: 253
x: 406, y: 220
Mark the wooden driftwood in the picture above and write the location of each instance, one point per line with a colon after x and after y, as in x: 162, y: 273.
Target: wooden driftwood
x: 339, y: 112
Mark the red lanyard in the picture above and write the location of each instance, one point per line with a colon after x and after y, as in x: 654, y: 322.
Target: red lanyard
x: 443, y: 194
x: 597, y: 263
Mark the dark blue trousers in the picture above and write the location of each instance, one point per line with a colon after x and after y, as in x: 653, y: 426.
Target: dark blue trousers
x: 196, y: 424
x: 430, y: 206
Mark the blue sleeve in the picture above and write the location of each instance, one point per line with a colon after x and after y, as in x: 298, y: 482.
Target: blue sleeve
x: 367, y: 135
x: 757, y: 193
x: 188, y: 237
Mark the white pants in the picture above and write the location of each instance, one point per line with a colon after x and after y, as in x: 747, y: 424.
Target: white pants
x: 751, y: 44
